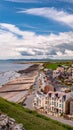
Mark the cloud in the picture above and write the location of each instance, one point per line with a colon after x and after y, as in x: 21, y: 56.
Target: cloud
x: 31, y: 45
x: 51, y: 13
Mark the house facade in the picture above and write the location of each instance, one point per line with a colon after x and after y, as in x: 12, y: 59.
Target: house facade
x: 54, y: 103
x: 71, y: 107
x: 39, y: 101
x: 57, y: 103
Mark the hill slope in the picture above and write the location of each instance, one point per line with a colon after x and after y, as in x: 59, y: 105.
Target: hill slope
x: 30, y: 119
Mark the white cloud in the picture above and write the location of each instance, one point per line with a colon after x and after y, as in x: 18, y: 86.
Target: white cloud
x: 31, y: 45
x: 51, y: 13
x: 69, y: 52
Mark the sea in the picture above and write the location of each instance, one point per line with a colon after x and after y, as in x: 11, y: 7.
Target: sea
x: 8, y: 71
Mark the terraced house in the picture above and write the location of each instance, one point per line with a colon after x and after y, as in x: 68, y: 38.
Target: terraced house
x: 57, y: 103
x: 39, y: 101
x: 54, y: 103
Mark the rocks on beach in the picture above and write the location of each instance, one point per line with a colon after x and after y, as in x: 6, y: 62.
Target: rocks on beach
x: 30, y: 69
x: 7, y: 123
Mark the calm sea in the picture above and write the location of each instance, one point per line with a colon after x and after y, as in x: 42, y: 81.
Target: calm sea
x: 10, y: 66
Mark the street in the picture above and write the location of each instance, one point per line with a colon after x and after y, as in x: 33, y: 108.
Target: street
x: 29, y: 100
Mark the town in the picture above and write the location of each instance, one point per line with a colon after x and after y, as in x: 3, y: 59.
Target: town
x: 55, y: 92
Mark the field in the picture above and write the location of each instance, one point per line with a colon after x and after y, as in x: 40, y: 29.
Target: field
x: 30, y: 119
x: 54, y: 65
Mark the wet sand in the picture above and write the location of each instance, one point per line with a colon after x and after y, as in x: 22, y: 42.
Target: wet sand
x: 17, y: 89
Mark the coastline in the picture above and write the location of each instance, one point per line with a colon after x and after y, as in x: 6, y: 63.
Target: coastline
x: 8, y: 71
x: 16, y: 90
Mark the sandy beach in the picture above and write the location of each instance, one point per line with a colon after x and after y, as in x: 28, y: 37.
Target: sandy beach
x: 16, y: 90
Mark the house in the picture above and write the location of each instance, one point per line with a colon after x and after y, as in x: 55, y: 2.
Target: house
x: 57, y: 103
x: 42, y: 80
x: 39, y: 101
x: 61, y: 69
x: 44, y: 83
x: 48, y: 88
x: 71, y: 107
x: 56, y: 73
x: 54, y: 103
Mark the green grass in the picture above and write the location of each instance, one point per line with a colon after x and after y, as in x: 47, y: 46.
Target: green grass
x: 54, y: 65
x: 31, y: 120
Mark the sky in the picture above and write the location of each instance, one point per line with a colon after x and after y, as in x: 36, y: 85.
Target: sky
x: 36, y: 29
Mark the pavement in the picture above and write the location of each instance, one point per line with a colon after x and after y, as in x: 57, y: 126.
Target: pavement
x: 29, y: 100
x: 60, y: 119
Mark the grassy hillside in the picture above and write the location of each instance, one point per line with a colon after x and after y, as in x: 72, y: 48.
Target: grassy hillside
x: 30, y: 119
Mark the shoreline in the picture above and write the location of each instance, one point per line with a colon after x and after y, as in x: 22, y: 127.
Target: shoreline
x: 8, y: 71
x: 14, y: 90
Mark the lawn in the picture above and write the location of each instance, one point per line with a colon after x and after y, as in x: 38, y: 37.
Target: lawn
x: 54, y: 65
x: 31, y: 120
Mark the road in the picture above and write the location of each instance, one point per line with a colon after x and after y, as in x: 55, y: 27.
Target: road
x: 60, y: 119
x: 29, y: 102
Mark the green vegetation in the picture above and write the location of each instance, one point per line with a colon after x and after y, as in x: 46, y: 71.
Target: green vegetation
x: 30, y: 119
x: 54, y: 65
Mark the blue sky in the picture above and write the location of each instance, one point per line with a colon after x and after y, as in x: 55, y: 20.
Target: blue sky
x: 36, y: 29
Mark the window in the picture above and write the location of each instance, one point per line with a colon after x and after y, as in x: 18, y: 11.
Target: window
x: 52, y: 103
x: 60, y: 111
x: 46, y: 102
x: 52, y: 98
x: 60, y: 105
x: 60, y: 100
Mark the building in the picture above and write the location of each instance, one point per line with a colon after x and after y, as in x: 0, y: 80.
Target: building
x: 44, y: 83
x: 39, y: 101
x: 48, y: 88
x: 55, y: 103
x: 71, y: 107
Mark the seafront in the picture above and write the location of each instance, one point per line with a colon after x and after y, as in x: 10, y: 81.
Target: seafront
x: 24, y: 88
x: 29, y: 103
x: 17, y: 90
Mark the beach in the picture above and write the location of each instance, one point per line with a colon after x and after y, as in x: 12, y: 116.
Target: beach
x: 17, y: 89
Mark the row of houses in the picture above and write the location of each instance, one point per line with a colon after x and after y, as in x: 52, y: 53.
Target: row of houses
x: 59, y: 79
x: 54, y: 97
x: 45, y: 83
x: 54, y: 103
x: 67, y: 72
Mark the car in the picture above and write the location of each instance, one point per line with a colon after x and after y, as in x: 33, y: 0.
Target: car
x: 24, y: 104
